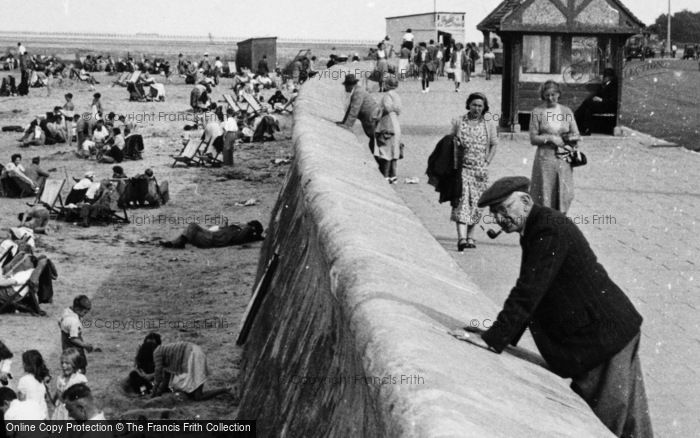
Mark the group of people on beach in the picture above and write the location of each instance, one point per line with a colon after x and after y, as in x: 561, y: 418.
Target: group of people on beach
x: 157, y: 368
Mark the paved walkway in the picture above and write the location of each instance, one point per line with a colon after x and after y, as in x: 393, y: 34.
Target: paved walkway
x: 637, y: 205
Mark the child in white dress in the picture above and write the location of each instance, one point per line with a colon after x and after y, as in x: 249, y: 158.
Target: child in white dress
x: 32, y: 386
x: 71, y: 366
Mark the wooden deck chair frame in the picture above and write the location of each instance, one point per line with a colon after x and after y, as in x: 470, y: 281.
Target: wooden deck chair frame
x: 215, y: 159
x: 134, y: 76
x: 4, y: 256
x: 290, y: 103
x: 124, y: 218
x: 141, y: 93
x: 232, y: 103
x: 75, y: 72
x: 190, y: 155
x: 50, y: 195
x: 124, y: 77
x: 15, y: 299
x: 253, y: 104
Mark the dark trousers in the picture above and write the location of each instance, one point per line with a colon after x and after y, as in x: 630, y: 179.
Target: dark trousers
x: 369, y: 127
x: 387, y: 167
x: 584, y: 113
x: 615, y: 392
x: 425, y: 74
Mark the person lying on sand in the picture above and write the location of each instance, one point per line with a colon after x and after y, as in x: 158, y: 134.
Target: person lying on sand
x: 216, y: 237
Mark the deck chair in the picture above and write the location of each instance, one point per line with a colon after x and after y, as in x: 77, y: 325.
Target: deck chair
x: 121, y: 218
x: 134, y: 76
x: 289, y: 106
x: 123, y: 79
x: 211, y: 156
x: 189, y: 154
x: 232, y: 103
x: 20, y: 297
x: 5, y: 255
x: 232, y: 68
x: 75, y: 74
x: 76, y: 196
x: 50, y: 195
x: 254, y: 106
x: 136, y: 92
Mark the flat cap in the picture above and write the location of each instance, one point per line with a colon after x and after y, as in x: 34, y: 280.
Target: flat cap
x: 502, y: 188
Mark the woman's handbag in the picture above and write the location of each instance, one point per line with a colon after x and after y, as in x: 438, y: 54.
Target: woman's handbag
x: 578, y: 158
x: 575, y: 157
x: 401, y: 147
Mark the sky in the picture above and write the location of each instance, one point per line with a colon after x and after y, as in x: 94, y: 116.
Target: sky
x: 305, y: 19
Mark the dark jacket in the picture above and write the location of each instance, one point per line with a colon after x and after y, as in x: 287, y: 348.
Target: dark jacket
x: 608, y: 92
x: 578, y: 317
x: 442, y: 172
x: 363, y: 107
x: 42, y: 278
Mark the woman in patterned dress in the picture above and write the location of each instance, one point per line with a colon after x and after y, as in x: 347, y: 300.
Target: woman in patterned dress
x: 552, y: 177
x: 478, y: 139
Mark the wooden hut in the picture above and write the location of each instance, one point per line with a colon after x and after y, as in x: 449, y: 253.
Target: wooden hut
x: 251, y: 51
x: 569, y: 41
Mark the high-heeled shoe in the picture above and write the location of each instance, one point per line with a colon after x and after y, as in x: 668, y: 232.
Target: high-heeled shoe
x: 461, y: 245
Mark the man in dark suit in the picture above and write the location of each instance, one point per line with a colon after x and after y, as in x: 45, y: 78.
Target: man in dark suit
x: 363, y: 107
x: 603, y: 101
x: 584, y: 326
x: 433, y: 52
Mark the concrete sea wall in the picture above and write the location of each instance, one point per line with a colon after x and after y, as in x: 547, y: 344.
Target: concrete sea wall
x: 350, y: 339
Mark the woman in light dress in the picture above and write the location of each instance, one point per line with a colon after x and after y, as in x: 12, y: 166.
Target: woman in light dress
x: 387, y: 150
x: 552, y: 176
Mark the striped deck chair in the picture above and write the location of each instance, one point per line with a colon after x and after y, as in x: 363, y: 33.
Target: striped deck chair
x: 20, y: 297
x: 254, y: 106
x: 189, y: 155
x: 232, y: 103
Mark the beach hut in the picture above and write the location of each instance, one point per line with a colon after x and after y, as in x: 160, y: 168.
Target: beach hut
x: 569, y: 41
x: 251, y: 51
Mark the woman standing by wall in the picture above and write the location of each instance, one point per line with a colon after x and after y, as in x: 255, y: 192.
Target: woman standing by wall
x: 552, y: 177
x: 387, y: 148
x: 478, y: 140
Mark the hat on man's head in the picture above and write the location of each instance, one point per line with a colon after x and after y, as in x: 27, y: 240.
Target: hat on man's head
x: 350, y: 79
x: 502, y: 189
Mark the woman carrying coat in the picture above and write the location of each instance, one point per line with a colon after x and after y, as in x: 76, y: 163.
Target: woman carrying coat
x: 477, y: 144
